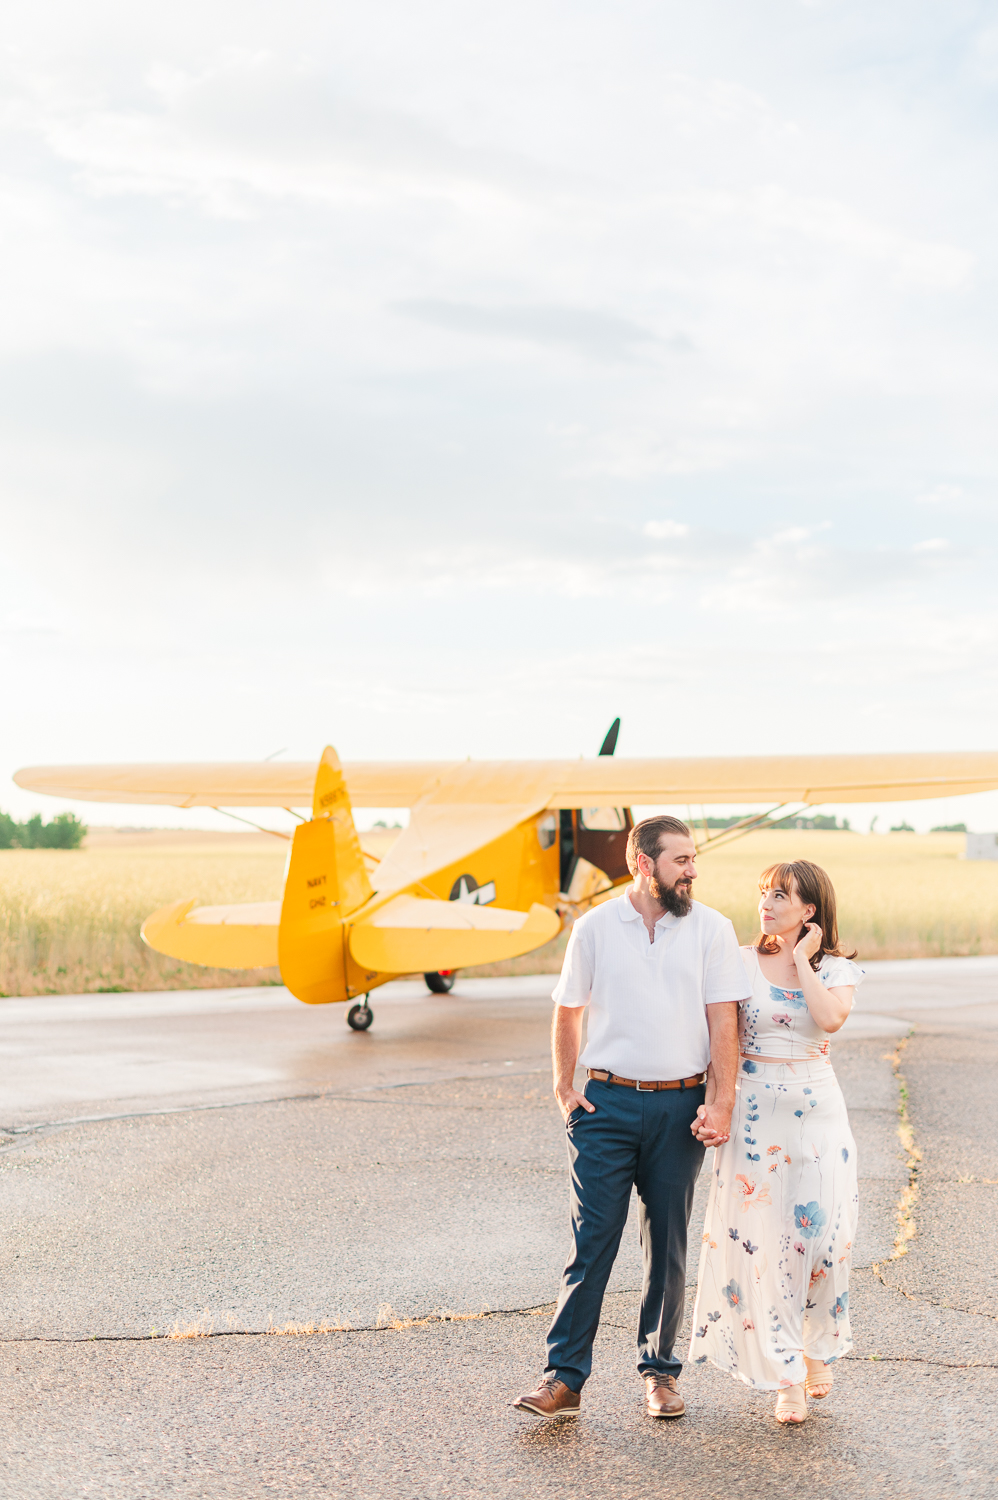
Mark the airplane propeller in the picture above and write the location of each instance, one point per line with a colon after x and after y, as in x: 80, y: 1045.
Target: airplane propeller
x: 609, y: 744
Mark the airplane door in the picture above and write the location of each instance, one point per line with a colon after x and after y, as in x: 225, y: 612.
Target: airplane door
x: 601, y: 837
x: 596, y: 834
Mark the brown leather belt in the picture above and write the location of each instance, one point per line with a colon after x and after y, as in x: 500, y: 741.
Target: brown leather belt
x: 644, y: 1087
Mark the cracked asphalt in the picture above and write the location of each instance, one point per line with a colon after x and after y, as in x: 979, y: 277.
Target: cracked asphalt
x: 234, y: 1162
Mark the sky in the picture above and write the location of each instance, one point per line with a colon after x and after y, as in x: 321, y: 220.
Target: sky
x: 445, y: 380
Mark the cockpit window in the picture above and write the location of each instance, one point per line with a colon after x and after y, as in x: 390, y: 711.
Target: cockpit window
x: 547, y: 830
x: 603, y: 819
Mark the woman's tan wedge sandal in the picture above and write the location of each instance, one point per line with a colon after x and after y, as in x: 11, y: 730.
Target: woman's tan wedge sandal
x: 819, y: 1379
x: 791, y: 1406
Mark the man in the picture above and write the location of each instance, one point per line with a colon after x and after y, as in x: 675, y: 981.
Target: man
x: 662, y: 976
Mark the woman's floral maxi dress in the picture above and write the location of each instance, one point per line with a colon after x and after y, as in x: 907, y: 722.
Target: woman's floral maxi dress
x: 781, y: 1217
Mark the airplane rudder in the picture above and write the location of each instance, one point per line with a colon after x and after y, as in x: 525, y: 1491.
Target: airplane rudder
x: 331, y: 804
x: 310, y: 946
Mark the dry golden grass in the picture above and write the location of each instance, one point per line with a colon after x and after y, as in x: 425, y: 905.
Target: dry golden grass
x: 387, y: 1319
x: 69, y: 920
x: 901, y: 895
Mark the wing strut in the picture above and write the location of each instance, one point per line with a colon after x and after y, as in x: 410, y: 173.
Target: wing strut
x: 272, y: 831
x: 745, y: 825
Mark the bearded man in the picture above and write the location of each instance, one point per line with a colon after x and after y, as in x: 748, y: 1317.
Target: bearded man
x: 662, y: 976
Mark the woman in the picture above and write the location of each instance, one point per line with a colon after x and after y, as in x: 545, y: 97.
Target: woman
x: 772, y: 1301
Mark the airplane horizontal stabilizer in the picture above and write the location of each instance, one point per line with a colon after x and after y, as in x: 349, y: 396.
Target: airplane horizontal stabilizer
x: 219, y: 937
x: 410, y: 935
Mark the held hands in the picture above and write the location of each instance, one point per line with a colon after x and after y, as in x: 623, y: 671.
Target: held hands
x: 569, y: 1099
x: 712, y: 1126
x: 808, y: 945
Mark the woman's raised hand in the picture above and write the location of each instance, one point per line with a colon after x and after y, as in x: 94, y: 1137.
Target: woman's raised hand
x: 808, y: 945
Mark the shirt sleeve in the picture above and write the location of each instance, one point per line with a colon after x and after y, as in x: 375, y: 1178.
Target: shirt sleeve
x: 574, y: 987
x: 840, y: 972
x: 725, y: 977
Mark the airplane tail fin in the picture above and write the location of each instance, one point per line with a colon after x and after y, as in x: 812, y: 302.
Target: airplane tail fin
x: 326, y: 881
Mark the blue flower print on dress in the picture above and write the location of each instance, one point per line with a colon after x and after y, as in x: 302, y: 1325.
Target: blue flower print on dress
x: 810, y: 1218
x: 845, y: 1154
x: 793, y: 998
x: 748, y: 1245
x: 841, y: 1304
x: 749, y: 1067
x: 733, y: 1293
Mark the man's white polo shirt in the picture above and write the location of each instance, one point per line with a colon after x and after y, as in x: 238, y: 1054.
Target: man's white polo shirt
x: 648, y: 1001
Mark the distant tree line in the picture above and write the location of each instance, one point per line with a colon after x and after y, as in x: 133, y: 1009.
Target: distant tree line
x: 65, y: 831
x: 816, y: 820
x: 904, y: 827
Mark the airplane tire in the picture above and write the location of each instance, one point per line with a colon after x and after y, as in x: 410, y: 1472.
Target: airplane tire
x: 359, y: 1017
x: 440, y: 984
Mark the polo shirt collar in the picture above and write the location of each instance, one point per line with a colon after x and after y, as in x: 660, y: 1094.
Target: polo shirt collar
x: 629, y: 913
x: 625, y: 907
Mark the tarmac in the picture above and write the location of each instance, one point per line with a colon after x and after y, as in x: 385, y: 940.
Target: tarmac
x: 193, y: 1181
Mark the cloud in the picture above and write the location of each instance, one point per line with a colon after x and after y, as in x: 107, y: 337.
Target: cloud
x: 942, y: 494
x: 601, y: 335
x: 665, y: 531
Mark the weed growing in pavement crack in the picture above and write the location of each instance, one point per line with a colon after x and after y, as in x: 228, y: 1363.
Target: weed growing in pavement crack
x: 906, y: 1225
x: 298, y: 1330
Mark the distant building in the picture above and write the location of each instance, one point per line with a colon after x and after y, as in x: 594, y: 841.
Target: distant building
x: 982, y: 845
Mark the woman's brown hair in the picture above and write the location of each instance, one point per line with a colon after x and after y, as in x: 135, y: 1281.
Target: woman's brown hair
x: 815, y: 889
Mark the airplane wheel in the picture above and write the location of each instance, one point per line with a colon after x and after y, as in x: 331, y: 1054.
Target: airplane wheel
x: 359, y: 1017
x: 442, y: 983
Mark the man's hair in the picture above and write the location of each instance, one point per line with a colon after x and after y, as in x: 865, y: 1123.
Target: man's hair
x: 646, y: 838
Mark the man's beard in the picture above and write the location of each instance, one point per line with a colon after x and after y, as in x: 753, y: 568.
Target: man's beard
x: 675, y: 899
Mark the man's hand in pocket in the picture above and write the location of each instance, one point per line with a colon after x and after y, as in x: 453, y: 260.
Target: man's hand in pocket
x: 569, y: 1099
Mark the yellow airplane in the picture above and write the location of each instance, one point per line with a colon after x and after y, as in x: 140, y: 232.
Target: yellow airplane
x: 497, y: 854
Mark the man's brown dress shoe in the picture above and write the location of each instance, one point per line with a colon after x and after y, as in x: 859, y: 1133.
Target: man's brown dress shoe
x: 661, y: 1397
x: 552, y: 1398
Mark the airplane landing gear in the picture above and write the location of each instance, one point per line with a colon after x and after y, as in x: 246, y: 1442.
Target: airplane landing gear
x: 359, y: 1017
x: 441, y: 983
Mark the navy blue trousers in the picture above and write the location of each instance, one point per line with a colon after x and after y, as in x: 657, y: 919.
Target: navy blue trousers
x: 640, y: 1139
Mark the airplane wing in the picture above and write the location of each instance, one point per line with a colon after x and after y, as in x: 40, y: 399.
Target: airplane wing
x: 410, y: 935
x: 776, y: 779
x: 230, y: 784
x: 606, y: 781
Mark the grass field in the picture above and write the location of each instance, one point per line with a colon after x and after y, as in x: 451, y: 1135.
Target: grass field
x: 69, y: 920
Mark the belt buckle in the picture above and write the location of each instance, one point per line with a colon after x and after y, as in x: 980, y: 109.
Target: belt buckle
x: 650, y: 1089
